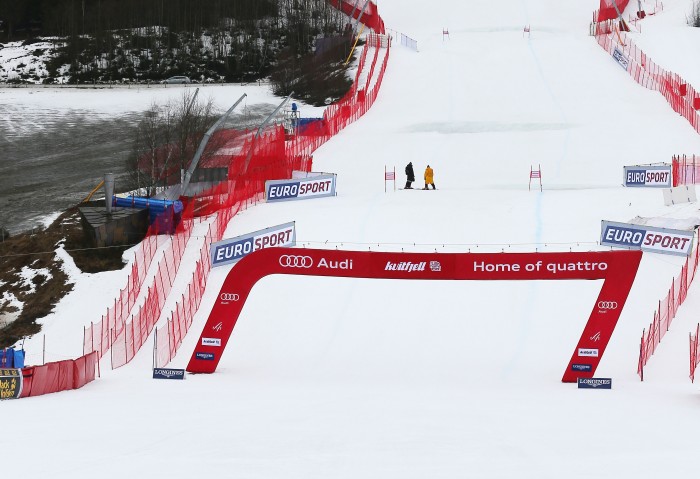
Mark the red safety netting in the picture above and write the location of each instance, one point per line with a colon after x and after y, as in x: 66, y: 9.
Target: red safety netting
x: 607, y: 13
x: 607, y: 10
x: 694, y: 352
x: 666, y: 311
x: 685, y: 100
x: 686, y: 170
x: 59, y: 376
x: 271, y: 157
x: 100, y: 336
x: 251, y: 159
x: 682, y: 97
x: 370, y: 15
x: 129, y: 337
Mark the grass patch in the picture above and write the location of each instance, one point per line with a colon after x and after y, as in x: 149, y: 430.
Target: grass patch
x: 36, y: 250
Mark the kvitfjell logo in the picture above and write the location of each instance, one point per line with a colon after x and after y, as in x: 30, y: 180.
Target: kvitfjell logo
x: 407, y: 266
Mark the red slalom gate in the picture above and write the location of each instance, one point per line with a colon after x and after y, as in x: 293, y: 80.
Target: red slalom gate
x: 617, y: 268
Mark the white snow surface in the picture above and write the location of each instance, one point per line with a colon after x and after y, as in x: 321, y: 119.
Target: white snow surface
x: 348, y: 378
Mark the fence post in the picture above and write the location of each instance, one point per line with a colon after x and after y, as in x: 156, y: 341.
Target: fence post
x: 111, y: 350
x: 692, y: 359
x: 641, y: 357
x: 155, y: 348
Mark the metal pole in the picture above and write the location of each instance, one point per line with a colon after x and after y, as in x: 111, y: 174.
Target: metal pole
x: 641, y: 357
x: 111, y: 350
x: 262, y: 125
x: 619, y: 15
x: 353, y: 10
x: 155, y: 347
x: 359, y: 17
x: 43, y: 353
x: 203, y: 144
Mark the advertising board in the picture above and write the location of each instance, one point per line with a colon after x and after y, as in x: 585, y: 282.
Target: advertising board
x: 318, y: 186
x: 652, y: 176
x: 233, y: 249
x: 168, y: 373
x: 646, y: 238
x: 594, y: 383
x: 621, y: 58
x: 10, y: 383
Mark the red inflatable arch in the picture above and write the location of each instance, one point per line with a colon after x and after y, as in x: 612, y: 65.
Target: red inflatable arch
x: 617, y: 268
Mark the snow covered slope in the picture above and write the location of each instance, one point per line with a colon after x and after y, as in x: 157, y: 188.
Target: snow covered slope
x: 370, y: 378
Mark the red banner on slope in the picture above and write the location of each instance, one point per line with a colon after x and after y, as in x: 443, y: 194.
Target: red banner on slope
x: 607, y: 9
x: 617, y: 268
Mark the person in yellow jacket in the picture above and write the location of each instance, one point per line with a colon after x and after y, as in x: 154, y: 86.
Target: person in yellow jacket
x: 428, y: 177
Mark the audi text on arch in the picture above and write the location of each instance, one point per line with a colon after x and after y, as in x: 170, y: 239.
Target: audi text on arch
x: 293, y: 261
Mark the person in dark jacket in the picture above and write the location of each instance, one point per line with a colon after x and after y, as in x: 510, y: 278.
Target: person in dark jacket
x: 410, y: 176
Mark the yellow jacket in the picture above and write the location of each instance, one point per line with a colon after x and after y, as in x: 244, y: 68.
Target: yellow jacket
x: 428, y: 175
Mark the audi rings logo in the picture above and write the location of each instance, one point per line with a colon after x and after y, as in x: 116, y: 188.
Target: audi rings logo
x: 291, y: 261
x: 229, y: 297
x: 607, y: 305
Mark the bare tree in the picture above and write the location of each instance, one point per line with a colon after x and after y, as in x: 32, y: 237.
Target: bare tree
x: 166, y: 139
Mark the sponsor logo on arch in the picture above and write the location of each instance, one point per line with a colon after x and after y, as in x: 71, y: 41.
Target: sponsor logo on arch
x: 296, y: 261
x: 410, y: 266
x: 581, y: 367
x: 646, y: 238
x: 587, y: 353
x: 231, y: 250
x: 229, y: 297
x: 318, y: 186
x: 214, y: 342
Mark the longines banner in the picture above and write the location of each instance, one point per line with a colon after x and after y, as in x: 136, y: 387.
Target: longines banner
x: 316, y: 186
x: 232, y: 249
x: 10, y: 383
x: 168, y: 373
x: 617, y: 268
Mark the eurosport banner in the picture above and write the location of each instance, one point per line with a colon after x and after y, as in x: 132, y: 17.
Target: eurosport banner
x: 646, y: 238
x: 318, y: 186
x: 10, y: 383
x: 656, y: 176
x: 621, y: 59
x: 233, y: 249
x: 617, y: 268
